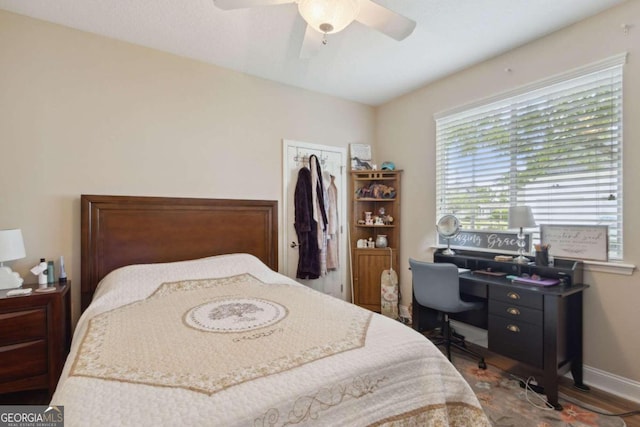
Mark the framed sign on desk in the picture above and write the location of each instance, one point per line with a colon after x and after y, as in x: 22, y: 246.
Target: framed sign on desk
x: 576, y: 241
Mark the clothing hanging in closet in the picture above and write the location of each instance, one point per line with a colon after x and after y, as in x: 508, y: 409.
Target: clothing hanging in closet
x: 310, y: 220
x: 332, y: 225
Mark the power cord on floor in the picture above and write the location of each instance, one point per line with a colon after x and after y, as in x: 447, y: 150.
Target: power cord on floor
x: 527, y: 388
x: 527, y: 385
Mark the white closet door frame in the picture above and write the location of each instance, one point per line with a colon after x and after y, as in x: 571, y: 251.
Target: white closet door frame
x: 289, y: 261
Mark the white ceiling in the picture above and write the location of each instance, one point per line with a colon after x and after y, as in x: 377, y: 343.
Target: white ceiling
x: 358, y: 63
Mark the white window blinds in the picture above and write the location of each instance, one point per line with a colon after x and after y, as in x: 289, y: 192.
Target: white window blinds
x: 557, y: 148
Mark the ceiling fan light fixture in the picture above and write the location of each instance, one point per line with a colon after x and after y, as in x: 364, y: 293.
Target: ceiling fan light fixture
x: 329, y: 16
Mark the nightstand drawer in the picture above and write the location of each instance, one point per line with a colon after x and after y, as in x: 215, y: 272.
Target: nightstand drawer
x: 22, y: 326
x: 516, y: 339
x: 35, y: 332
x: 516, y: 312
x: 23, y: 360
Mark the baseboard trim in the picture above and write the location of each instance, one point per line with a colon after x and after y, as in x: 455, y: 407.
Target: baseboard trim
x: 611, y: 383
x: 472, y: 334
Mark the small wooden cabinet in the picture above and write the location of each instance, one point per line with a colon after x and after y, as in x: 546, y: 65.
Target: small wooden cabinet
x: 377, y: 193
x: 35, y: 335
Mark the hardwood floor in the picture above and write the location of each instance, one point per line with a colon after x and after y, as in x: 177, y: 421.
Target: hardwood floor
x: 605, y: 401
x: 597, y: 398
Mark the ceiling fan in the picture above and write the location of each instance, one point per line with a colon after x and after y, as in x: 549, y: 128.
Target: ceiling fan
x: 331, y: 16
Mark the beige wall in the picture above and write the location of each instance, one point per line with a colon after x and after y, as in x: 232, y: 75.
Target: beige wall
x: 83, y: 114
x: 406, y: 134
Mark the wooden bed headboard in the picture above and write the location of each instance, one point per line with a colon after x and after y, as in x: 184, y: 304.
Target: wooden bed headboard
x: 124, y: 230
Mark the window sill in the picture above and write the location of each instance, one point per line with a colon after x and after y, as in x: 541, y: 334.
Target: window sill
x: 609, y: 267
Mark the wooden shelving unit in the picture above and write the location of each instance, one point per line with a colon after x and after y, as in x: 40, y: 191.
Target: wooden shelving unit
x: 377, y: 192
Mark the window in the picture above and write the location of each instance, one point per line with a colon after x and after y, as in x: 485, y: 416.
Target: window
x: 556, y: 147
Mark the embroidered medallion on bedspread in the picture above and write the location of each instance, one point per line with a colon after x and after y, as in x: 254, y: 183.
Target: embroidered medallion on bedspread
x: 207, y: 335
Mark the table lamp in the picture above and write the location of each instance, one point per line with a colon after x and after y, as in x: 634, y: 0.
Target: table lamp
x: 521, y: 217
x: 11, y: 248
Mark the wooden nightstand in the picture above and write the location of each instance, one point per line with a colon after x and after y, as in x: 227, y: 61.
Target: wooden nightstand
x: 35, y: 335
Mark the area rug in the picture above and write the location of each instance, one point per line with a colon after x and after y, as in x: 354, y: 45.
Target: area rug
x: 508, y: 404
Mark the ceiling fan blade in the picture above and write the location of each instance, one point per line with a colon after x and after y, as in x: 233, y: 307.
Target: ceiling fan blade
x: 242, y: 4
x: 311, y: 44
x: 384, y: 20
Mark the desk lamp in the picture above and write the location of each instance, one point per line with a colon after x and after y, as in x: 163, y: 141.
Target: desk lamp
x: 521, y: 217
x: 11, y: 248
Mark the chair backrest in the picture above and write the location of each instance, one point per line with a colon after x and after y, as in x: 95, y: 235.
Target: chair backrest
x: 436, y: 285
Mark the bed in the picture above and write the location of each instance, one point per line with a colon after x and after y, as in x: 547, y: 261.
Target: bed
x: 187, y: 322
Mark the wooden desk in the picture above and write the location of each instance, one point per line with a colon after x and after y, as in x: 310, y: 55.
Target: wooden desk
x: 539, y: 326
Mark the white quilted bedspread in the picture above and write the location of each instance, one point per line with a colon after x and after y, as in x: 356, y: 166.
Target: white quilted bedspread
x: 397, y: 378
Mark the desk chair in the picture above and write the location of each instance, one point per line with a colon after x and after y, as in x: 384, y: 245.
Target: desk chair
x: 436, y: 286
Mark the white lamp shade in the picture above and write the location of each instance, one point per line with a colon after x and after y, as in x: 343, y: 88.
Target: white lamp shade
x: 11, y: 245
x: 329, y: 16
x: 521, y: 217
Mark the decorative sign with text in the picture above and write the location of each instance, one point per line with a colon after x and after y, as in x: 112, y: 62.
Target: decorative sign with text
x: 577, y: 241
x: 489, y: 241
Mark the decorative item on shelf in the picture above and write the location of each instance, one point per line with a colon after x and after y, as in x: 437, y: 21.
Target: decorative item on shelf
x: 381, y: 241
x: 542, y: 255
x: 368, y: 218
x: 388, y: 166
x: 448, y: 227
x: 376, y: 191
x: 370, y: 243
x: 360, y: 156
x: 521, y: 217
x: 379, y: 221
x: 11, y: 248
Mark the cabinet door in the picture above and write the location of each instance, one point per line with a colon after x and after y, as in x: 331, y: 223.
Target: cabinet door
x: 369, y: 265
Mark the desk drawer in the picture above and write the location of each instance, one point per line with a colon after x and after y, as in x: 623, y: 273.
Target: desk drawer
x: 516, y: 339
x: 473, y: 288
x: 516, y: 312
x: 516, y: 296
x: 21, y: 326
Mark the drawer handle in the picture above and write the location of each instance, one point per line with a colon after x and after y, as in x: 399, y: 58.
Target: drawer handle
x: 513, y: 328
x: 513, y: 295
x: 514, y: 311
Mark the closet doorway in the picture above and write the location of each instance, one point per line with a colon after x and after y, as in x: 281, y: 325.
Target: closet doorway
x: 333, y: 164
